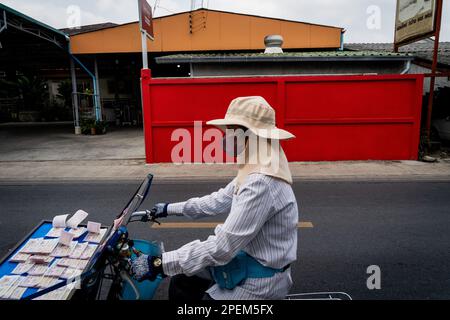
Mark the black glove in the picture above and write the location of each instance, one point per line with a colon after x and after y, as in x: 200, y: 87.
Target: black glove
x: 159, y: 210
x: 146, y: 267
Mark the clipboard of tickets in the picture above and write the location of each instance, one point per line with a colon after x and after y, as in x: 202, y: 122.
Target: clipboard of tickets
x: 40, y: 261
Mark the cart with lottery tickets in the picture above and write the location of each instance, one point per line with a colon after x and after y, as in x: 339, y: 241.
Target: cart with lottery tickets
x: 80, y: 262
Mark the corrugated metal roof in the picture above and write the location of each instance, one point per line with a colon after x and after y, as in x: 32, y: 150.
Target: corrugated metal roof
x: 88, y: 28
x: 286, y: 56
x: 421, y: 49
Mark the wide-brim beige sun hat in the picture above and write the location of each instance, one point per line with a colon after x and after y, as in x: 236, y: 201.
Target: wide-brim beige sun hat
x: 254, y: 113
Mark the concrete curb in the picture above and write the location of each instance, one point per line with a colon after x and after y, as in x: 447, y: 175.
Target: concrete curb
x: 136, y: 169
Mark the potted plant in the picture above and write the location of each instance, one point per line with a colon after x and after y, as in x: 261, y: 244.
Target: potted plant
x: 100, y: 127
x: 87, y: 125
x: 93, y: 127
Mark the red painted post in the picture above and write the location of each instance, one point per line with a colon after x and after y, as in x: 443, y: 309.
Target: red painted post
x: 146, y: 77
x: 434, y: 65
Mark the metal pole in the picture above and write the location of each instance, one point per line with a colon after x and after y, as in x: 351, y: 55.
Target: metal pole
x: 97, y: 96
x: 143, y: 36
x: 5, y: 26
x: 144, y: 50
x: 75, y: 97
x: 395, y: 28
x: 434, y: 67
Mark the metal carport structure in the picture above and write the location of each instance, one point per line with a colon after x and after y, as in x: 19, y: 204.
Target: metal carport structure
x: 30, y: 46
x: 27, y: 47
x: 22, y: 37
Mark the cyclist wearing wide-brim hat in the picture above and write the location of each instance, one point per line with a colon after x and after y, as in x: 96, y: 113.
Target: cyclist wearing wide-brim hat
x: 250, y: 254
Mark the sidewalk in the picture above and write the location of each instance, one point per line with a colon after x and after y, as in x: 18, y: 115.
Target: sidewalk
x: 51, y: 152
x: 137, y: 169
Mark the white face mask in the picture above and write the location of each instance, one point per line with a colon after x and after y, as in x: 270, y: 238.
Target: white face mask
x: 234, y: 142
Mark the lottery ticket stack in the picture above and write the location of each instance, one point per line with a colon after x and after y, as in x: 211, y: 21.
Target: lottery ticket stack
x: 62, y: 254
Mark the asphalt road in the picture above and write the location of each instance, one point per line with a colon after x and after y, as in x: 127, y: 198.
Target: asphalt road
x: 402, y: 227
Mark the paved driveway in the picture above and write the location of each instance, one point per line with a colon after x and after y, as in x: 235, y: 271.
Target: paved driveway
x: 57, y: 142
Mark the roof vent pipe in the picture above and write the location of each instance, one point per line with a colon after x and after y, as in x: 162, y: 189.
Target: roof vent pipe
x: 273, y: 44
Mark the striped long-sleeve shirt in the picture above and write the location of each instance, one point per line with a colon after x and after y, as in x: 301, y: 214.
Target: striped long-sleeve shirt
x: 262, y: 221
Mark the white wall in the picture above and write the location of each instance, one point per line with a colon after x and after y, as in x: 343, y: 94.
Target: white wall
x: 440, y: 82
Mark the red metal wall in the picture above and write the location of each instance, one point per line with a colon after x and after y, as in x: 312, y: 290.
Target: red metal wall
x: 334, y: 117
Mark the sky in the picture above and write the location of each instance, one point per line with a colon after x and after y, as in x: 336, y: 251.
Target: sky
x: 365, y: 20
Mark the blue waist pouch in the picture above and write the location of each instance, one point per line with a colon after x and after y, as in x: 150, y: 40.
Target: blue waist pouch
x: 242, y: 267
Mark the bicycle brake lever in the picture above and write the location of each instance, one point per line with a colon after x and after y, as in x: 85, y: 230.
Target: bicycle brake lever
x: 147, y: 217
x: 153, y: 219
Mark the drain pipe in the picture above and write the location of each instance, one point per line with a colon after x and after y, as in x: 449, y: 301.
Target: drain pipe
x: 407, y: 67
x: 98, y: 115
x: 341, y: 47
